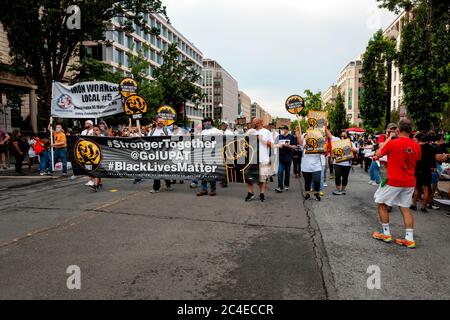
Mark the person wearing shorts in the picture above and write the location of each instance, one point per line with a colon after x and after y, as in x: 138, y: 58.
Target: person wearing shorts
x: 266, y: 142
x: 402, y: 154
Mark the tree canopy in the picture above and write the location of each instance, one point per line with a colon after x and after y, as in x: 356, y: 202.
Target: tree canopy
x: 375, y: 97
x: 40, y: 40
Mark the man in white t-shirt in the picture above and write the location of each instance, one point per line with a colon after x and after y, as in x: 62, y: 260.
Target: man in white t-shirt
x: 160, y: 131
x: 265, y: 144
x: 88, y: 128
x: 209, y: 130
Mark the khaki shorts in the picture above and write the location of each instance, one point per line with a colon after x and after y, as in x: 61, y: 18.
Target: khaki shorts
x: 265, y: 172
x: 394, y: 196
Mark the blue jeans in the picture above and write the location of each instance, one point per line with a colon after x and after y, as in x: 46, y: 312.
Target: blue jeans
x: 62, y: 155
x: 44, y: 161
x: 205, y: 185
x: 374, y: 171
x: 284, y: 171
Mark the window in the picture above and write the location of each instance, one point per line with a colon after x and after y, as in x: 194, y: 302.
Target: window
x: 119, y: 56
x: 130, y: 42
x: 395, y: 91
x: 121, y: 37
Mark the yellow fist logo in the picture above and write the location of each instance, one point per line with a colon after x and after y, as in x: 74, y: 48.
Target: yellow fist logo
x: 88, y: 155
x: 313, y: 123
x: 311, y: 143
x: 339, y: 152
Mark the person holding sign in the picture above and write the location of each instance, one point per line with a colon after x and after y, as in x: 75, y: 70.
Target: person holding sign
x: 341, y: 153
x: 286, y: 144
x: 311, y: 166
x: 160, y: 131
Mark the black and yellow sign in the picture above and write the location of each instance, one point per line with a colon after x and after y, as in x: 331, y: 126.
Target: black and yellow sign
x: 168, y: 114
x: 128, y: 87
x: 295, y: 104
x: 315, y: 142
x: 88, y: 155
x: 342, y: 150
x: 239, y: 149
x: 317, y: 120
x: 135, y: 105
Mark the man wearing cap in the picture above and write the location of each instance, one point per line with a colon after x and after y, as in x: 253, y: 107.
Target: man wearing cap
x: 286, y: 144
x: 88, y: 128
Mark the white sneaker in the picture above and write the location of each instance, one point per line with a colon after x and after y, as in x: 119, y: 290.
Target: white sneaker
x: 374, y: 183
x: 325, y: 184
x: 370, y: 182
x: 90, y: 183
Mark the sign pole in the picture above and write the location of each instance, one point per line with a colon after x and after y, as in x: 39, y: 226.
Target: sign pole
x: 51, y: 140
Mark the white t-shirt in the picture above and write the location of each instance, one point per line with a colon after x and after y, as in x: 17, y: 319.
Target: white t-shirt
x: 228, y: 132
x: 212, y: 132
x: 312, y: 162
x: 87, y: 132
x: 264, y: 150
x: 159, y: 132
x: 345, y: 163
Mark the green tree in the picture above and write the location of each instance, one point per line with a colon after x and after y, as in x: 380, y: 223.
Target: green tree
x: 338, y: 116
x: 177, y: 79
x: 424, y: 59
x: 313, y: 101
x: 41, y: 42
x: 376, y: 94
x: 424, y: 66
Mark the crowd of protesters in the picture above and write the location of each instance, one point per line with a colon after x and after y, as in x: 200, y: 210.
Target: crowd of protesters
x: 406, y: 166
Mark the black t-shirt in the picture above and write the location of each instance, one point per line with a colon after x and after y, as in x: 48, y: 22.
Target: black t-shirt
x: 286, y: 153
x: 427, y: 160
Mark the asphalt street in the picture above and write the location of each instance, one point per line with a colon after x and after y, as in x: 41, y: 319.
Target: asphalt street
x: 130, y: 244
x: 346, y: 225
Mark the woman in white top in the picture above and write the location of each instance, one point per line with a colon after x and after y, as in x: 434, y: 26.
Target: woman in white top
x: 311, y: 168
x: 342, y: 169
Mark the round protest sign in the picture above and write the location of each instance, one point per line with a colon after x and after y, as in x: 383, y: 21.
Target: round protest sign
x: 128, y: 87
x: 135, y: 105
x: 295, y: 104
x: 168, y: 114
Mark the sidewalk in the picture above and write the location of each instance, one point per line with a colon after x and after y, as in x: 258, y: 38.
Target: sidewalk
x: 9, y: 179
x: 347, y: 223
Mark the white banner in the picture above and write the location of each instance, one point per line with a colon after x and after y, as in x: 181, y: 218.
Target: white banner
x: 93, y: 99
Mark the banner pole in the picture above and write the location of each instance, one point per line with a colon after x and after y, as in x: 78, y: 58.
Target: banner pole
x: 51, y: 140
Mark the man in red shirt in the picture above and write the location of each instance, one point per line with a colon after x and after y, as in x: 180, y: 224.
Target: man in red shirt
x: 403, y: 154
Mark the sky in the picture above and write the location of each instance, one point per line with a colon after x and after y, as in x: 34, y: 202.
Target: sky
x: 277, y: 48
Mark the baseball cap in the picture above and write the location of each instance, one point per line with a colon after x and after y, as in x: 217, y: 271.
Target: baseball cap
x: 89, y: 122
x: 392, y: 126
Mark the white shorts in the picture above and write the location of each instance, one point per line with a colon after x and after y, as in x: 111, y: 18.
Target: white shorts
x: 394, y: 196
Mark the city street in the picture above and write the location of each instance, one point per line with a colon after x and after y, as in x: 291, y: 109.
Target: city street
x: 130, y: 244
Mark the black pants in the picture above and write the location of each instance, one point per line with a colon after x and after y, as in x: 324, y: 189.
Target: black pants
x: 157, y: 184
x: 297, y: 161
x: 330, y: 165
x: 367, y: 163
x: 19, y: 160
x: 312, y: 177
x: 341, y: 174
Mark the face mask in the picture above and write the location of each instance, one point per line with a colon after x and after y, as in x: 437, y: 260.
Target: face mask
x: 58, y: 129
x: 208, y: 126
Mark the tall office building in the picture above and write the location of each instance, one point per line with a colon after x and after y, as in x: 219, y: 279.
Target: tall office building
x: 350, y: 85
x: 118, y: 43
x: 258, y: 112
x: 393, y: 31
x: 245, y: 106
x: 329, y: 96
x: 221, y: 92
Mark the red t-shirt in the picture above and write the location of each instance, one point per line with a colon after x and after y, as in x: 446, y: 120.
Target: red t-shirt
x: 403, y: 154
